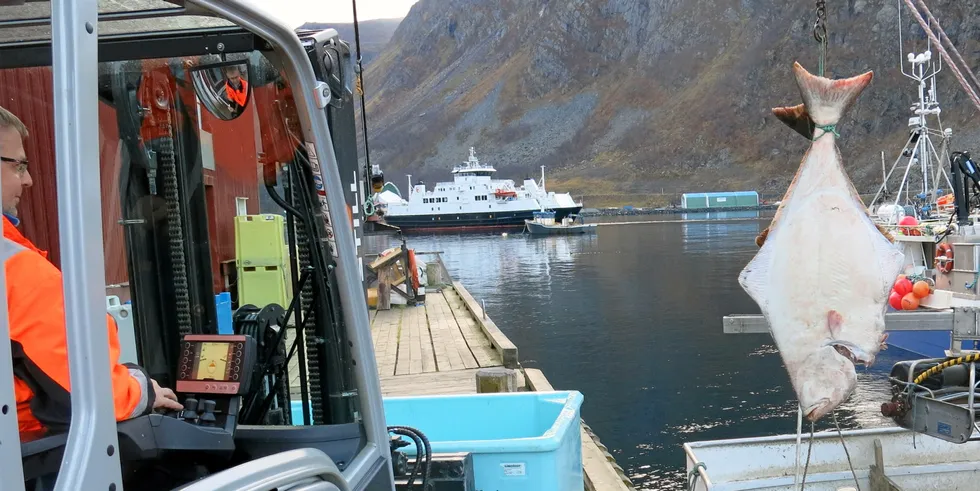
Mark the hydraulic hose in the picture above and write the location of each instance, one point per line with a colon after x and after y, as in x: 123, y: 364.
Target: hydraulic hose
x: 421, y: 446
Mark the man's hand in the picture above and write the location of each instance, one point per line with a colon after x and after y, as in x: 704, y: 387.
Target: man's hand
x: 165, y: 398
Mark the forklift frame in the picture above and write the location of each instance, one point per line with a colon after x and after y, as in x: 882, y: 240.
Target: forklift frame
x: 90, y: 459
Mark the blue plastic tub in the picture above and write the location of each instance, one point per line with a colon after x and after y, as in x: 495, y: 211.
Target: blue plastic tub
x: 521, y: 441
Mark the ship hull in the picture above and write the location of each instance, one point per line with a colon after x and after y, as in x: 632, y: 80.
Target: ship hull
x: 470, y: 221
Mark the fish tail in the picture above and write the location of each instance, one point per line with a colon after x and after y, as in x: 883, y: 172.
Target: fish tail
x: 826, y: 100
x: 796, y: 117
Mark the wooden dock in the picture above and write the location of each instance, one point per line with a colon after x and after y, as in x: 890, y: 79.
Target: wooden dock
x: 438, y: 348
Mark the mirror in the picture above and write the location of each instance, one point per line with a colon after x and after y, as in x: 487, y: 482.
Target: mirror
x: 223, y: 87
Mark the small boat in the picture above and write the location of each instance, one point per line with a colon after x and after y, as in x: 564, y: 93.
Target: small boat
x: 544, y: 223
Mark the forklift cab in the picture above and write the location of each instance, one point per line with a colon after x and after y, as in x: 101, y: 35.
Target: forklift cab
x: 195, y: 178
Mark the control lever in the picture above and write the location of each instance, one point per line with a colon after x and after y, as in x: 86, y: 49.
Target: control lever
x: 190, y: 410
x: 207, y: 411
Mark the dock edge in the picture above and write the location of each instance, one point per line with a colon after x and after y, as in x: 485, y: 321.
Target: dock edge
x: 601, y: 471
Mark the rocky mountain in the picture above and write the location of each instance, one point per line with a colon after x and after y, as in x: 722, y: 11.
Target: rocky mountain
x: 622, y: 99
x: 375, y: 34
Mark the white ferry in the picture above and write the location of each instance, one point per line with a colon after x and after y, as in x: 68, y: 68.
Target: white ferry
x: 474, y: 200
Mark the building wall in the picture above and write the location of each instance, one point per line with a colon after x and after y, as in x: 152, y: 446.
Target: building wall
x: 719, y: 200
x: 27, y: 92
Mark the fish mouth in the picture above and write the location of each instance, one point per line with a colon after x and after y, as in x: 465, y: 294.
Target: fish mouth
x: 852, y: 352
x: 817, y: 410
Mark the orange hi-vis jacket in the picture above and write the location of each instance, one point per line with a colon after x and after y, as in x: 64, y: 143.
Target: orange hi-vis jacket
x: 38, y: 342
x: 239, y: 97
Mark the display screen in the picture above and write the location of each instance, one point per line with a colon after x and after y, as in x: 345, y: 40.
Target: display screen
x: 211, y: 362
x: 215, y: 364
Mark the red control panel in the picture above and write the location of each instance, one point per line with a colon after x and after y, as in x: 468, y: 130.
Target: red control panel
x: 215, y: 364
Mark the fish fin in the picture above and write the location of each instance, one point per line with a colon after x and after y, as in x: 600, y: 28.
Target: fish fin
x: 760, y: 240
x: 796, y: 117
x: 885, y: 232
x: 834, y: 321
x: 826, y: 100
x: 754, y: 278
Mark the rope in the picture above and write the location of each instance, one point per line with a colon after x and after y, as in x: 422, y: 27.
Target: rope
x: 942, y: 51
x: 809, y: 450
x: 827, y: 128
x: 849, y: 464
x: 693, y: 475
x: 944, y: 37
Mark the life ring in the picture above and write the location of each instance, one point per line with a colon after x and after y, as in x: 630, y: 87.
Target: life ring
x: 412, y: 265
x: 944, y: 257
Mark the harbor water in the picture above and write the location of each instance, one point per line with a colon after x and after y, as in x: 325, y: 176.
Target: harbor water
x: 631, y: 318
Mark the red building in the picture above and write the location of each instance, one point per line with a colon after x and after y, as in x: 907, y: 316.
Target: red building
x: 236, y: 144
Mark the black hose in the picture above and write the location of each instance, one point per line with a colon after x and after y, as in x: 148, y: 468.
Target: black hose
x: 416, y: 436
x: 274, y: 194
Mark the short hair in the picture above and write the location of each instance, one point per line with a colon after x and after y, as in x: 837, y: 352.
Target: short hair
x: 9, y: 120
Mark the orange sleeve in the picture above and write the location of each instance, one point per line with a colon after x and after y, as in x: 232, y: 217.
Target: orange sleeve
x: 36, y: 311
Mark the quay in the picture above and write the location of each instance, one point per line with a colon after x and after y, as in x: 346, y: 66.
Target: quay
x: 439, y: 347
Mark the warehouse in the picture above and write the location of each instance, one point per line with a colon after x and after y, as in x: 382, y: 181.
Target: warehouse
x: 730, y: 199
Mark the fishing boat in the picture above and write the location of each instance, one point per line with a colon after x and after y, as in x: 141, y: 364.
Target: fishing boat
x: 544, y: 223
x: 473, y: 200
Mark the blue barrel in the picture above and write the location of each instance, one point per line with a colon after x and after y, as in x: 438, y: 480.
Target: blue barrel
x: 222, y: 303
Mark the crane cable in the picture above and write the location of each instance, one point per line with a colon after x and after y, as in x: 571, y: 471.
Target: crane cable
x: 942, y: 51
x: 820, y: 34
x: 360, y: 84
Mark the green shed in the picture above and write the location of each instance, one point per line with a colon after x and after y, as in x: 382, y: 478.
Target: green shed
x: 731, y: 199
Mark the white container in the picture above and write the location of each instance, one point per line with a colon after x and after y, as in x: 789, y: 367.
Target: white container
x: 123, y: 314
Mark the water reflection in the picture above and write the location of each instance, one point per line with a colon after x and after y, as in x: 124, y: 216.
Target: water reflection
x: 631, y: 317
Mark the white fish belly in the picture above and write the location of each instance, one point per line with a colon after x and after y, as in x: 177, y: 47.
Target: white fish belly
x: 823, y: 255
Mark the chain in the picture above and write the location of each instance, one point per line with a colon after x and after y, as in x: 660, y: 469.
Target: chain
x: 820, y: 33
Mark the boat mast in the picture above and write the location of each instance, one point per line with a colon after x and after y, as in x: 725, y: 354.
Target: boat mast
x: 919, y: 148
x: 409, y: 186
x: 542, y: 178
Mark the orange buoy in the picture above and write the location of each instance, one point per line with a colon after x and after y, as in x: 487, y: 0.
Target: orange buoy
x: 921, y: 289
x: 910, y: 302
x: 903, y: 286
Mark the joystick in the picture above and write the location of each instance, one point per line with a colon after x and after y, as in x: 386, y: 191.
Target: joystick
x: 207, y: 411
x: 190, y: 410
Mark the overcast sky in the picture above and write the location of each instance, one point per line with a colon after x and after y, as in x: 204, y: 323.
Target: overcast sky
x: 296, y: 12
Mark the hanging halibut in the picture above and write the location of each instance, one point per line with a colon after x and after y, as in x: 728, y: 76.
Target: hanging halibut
x: 824, y: 270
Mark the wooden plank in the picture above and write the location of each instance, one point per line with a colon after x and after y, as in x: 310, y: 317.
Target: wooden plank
x: 422, y: 340
x: 434, y: 383
x: 451, y: 350
x: 415, y: 340
x: 387, y: 326
x: 386, y: 260
x: 391, y: 347
x: 507, y: 349
x: 924, y: 320
x: 403, y: 363
x: 476, y: 340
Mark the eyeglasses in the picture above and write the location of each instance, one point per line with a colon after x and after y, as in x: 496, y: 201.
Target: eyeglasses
x: 21, y: 164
